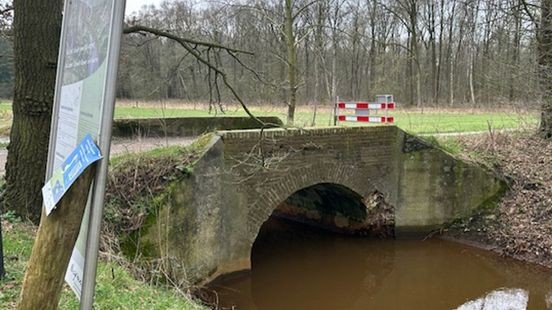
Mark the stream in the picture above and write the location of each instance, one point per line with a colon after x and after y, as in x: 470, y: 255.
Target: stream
x: 298, y: 267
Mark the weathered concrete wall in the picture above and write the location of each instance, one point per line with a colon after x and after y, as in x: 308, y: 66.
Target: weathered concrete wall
x: 186, y: 126
x: 435, y: 188
x: 189, y: 231
x: 213, y: 217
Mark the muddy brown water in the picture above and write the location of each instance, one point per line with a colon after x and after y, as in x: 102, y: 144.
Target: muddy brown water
x: 297, y: 267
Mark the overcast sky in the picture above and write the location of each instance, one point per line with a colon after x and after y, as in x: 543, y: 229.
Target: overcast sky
x: 131, y: 5
x: 135, y: 5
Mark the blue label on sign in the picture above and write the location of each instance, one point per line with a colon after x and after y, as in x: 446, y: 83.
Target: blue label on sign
x: 74, y: 165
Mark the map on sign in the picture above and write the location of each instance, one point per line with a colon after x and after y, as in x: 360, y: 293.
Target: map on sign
x: 80, y: 94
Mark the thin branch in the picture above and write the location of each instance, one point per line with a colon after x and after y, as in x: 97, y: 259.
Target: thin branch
x: 160, y: 33
x: 528, y: 12
x: 306, y: 6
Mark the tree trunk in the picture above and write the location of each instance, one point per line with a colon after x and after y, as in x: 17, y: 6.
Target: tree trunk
x: 316, y: 88
x: 451, y: 56
x: 545, y: 62
x: 292, y: 61
x: 372, y: 63
x: 470, y: 76
x: 515, y: 53
x: 433, y: 47
x: 471, y: 51
x: 53, y: 246
x: 37, y: 26
x: 333, y: 96
x: 307, y: 73
x: 440, y: 57
x: 318, y: 47
x: 451, y: 80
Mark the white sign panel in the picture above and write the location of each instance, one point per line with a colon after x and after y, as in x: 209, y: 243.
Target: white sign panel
x: 82, y: 86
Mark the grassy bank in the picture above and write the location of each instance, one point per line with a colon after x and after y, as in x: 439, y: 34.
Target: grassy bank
x: 115, y: 289
x: 414, y: 120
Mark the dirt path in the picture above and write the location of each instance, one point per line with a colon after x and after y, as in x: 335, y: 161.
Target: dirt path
x: 468, y: 133
x: 121, y: 146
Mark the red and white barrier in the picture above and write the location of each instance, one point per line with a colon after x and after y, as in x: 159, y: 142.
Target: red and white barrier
x: 362, y: 109
x: 368, y: 119
x: 366, y: 105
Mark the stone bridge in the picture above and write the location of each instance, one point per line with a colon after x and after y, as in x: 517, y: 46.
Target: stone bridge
x: 348, y: 179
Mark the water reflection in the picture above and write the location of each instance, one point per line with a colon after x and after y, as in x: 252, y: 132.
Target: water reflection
x: 294, y: 267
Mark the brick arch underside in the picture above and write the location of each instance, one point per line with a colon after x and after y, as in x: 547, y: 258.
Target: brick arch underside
x: 270, y: 197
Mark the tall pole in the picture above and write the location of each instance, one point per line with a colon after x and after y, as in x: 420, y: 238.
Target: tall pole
x: 2, y: 270
x: 98, y: 195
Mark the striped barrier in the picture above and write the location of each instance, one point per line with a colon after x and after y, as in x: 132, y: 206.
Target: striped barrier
x: 363, y: 110
x: 369, y: 119
x: 366, y: 105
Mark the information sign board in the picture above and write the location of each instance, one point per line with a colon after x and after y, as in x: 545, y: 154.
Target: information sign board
x: 84, y: 100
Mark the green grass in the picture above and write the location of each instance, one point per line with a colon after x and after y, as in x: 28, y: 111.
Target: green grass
x: 442, y: 122
x: 429, y: 122
x: 449, y: 144
x: 115, y: 289
x: 5, y: 105
x: 432, y: 121
x: 17, y: 242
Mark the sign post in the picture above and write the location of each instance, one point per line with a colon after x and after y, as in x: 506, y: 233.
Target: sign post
x: 2, y: 271
x: 84, y: 103
x: 98, y: 195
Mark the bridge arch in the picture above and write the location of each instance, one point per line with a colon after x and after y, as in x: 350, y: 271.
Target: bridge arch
x: 312, y: 179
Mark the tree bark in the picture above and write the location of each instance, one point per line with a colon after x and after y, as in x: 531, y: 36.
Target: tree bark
x: 515, y: 53
x: 37, y: 26
x: 53, y: 246
x: 373, y: 53
x: 333, y: 96
x: 433, y: 47
x: 545, y: 62
x: 291, y: 61
x: 318, y: 48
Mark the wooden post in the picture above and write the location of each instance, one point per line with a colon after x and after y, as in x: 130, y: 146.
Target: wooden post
x: 53, y: 246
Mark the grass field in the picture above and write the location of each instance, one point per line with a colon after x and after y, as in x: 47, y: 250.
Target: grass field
x: 428, y: 121
x: 412, y: 120
x: 115, y: 288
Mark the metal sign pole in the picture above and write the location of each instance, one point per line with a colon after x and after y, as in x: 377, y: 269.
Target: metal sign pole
x: 96, y: 210
x: 2, y: 271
